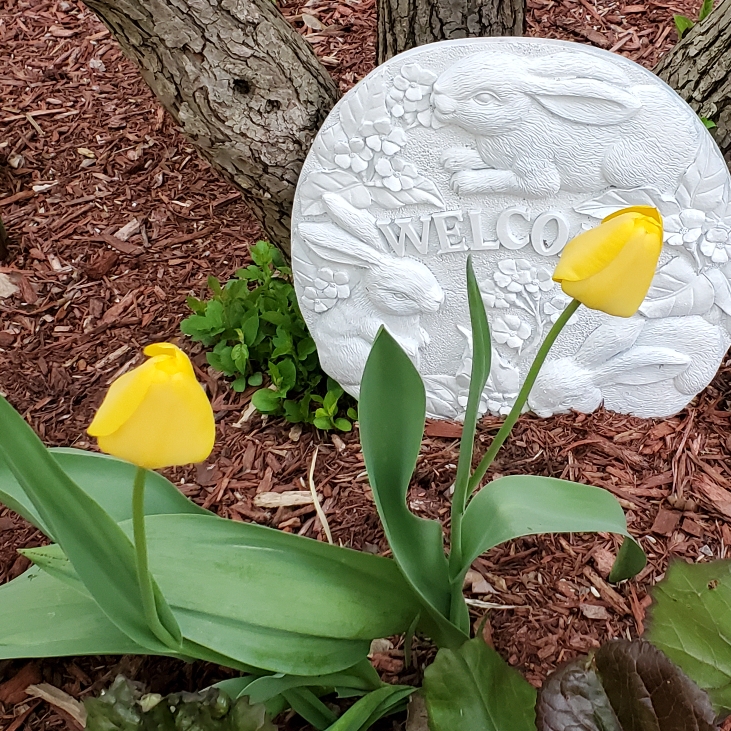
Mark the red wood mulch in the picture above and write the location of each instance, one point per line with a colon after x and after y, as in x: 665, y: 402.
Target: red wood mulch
x: 114, y: 220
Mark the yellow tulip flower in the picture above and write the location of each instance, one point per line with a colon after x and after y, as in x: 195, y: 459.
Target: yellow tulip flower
x: 157, y: 415
x: 610, y: 267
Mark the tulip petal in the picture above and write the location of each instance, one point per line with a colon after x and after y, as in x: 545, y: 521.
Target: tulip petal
x: 172, y: 425
x: 593, y: 250
x: 621, y: 286
x: 122, y: 400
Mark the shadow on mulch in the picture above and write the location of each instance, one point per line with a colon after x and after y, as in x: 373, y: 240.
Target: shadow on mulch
x: 114, y: 220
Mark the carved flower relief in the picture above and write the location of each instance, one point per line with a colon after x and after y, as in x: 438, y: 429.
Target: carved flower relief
x: 493, y: 296
x: 353, y: 155
x: 511, y: 331
x: 395, y: 174
x: 519, y: 275
x: 555, y: 306
x: 716, y: 244
x: 684, y: 228
x: 326, y: 289
x: 409, y: 95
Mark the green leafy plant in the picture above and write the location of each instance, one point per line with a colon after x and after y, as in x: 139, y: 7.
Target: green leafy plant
x: 256, y: 333
x: 683, y: 23
x: 124, y: 707
x: 293, y: 615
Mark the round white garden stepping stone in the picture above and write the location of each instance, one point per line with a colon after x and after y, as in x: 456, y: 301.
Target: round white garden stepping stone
x: 507, y: 148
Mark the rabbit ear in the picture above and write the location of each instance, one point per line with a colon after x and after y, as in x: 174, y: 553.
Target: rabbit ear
x: 609, y: 340
x: 573, y: 65
x: 333, y: 244
x: 584, y: 100
x: 357, y: 222
x: 641, y: 366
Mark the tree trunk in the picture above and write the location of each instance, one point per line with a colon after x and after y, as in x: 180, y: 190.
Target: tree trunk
x: 404, y: 24
x: 244, y: 87
x: 699, y: 69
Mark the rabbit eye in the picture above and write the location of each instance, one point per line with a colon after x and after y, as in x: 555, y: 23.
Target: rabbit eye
x: 486, y: 97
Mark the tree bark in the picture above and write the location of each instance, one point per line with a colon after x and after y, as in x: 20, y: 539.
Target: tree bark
x: 245, y: 88
x: 699, y: 69
x: 404, y: 24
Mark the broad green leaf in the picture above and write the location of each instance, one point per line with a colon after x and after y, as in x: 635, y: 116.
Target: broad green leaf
x: 648, y: 692
x: 43, y: 617
x: 107, y: 480
x: 392, y: 412
x: 266, y: 598
x: 523, y: 505
x: 572, y: 697
x: 630, y: 561
x: 690, y: 621
x: 266, y: 400
x: 474, y: 689
x: 366, y: 711
x: 102, y: 555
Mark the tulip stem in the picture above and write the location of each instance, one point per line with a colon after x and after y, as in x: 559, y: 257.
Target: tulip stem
x: 520, y: 401
x: 144, y: 578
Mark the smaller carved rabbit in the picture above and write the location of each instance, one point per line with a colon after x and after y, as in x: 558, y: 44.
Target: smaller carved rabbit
x: 626, y: 365
x: 560, y: 122
x: 390, y: 291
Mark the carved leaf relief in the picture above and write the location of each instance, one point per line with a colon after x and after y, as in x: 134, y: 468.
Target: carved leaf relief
x: 677, y: 291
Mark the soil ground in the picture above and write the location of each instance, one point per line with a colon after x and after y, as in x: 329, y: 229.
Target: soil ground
x: 85, y: 150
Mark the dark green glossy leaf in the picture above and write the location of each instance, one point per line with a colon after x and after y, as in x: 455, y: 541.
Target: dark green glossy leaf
x: 102, y: 555
x: 473, y: 689
x: 572, y: 698
x: 366, y: 711
x: 523, y: 505
x: 650, y: 693
x: 690, y: 621
x: 392, y: 412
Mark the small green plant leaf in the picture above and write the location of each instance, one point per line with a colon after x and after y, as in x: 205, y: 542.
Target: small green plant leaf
x: 690, y: 621
x: 572, y: 697
x: 706, y: 9
x: 473, y: 689
x: 522, y: 505
x: 708, y: 123
x: 682, y: 24
x: 650, y: 693
x: 255, y: 379
x: 266, y: 400
x: 392, y: 411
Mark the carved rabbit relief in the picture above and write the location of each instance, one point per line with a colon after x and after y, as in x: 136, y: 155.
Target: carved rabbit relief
x: 506, y: 148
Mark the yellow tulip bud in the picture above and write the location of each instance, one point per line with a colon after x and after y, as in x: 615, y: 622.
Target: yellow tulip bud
x: 157, y: 415
x: 610, y: 267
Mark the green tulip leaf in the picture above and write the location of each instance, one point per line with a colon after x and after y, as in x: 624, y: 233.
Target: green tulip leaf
x: 524, y: 505
x: 366, y: 711
x: 392, y: 412
x: 102, y: 555
x: 690, y: 621
x: 266, y: 598
x: 473, y: 689
x: 107, y: 480
x: 41, y: 616
x: 310, y: 707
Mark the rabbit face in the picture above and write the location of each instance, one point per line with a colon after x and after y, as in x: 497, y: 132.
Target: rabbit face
x: 482, y: 95
x: 403, y: 287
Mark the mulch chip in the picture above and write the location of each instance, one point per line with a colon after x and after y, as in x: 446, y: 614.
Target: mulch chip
x: 113, y: 221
